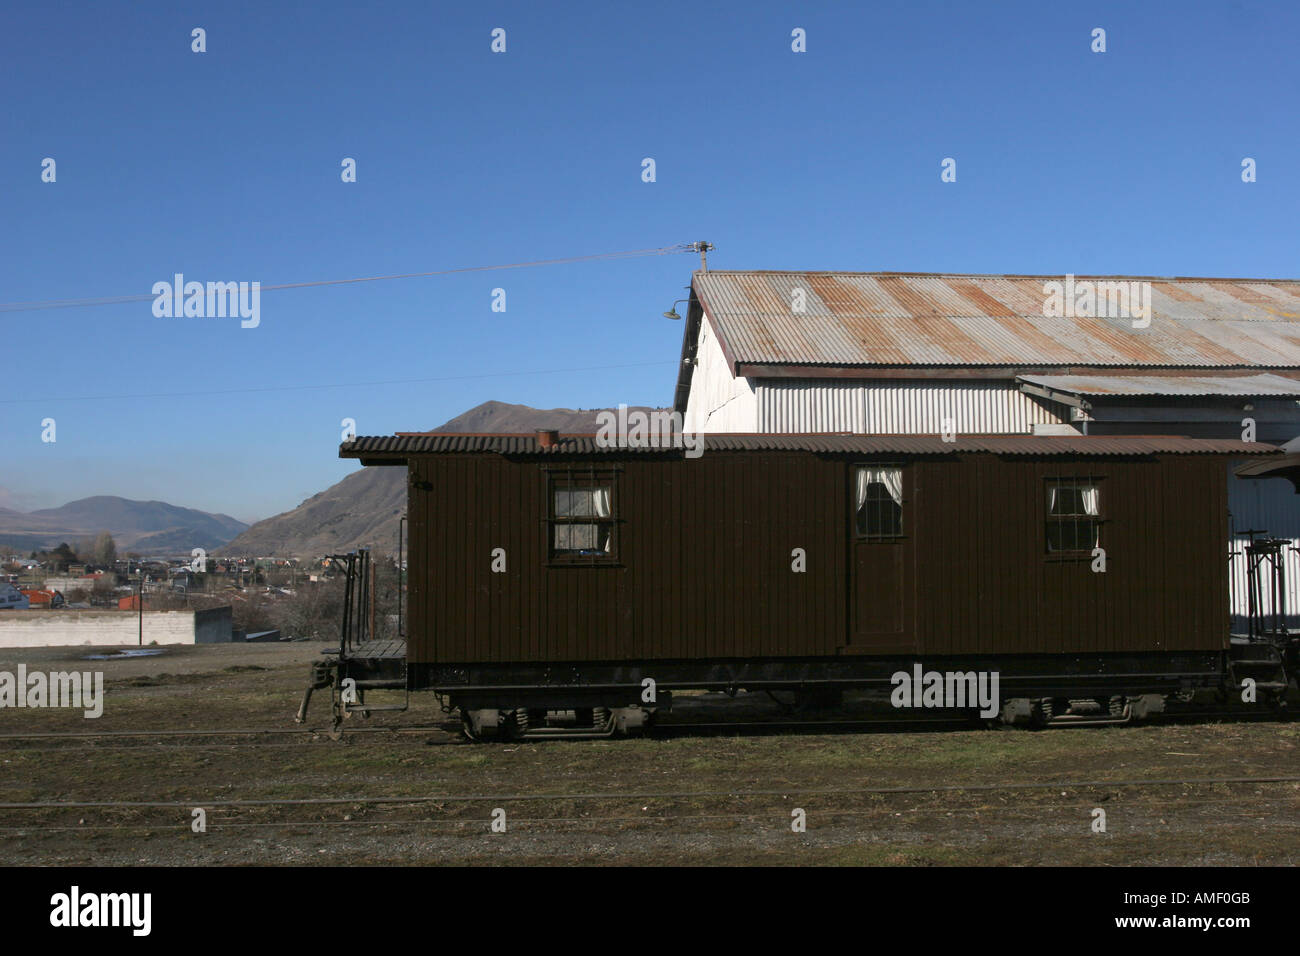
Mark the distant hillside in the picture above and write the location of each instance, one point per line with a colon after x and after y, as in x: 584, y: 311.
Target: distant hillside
x: 364, y: 508
x: 523, y: 419
x: 11, y: 543
x: 135, y: 525
x: 179, y: 541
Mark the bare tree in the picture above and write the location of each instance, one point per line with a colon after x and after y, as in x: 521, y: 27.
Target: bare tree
x: 104, y: 549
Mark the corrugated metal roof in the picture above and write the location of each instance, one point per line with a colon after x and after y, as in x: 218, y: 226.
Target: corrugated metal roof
x: 1283, y: 466
x: 940, y: 320
x: 1247, y: 386
x: 400, y: 446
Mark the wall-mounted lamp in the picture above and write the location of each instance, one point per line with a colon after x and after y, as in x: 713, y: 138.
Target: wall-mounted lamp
x: 672, y: 313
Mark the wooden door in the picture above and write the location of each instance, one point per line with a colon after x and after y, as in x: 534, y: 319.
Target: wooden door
x: 882, y: 559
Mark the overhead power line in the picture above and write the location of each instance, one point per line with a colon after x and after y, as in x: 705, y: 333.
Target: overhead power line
x: 118, y: 299
x: 302, y: 388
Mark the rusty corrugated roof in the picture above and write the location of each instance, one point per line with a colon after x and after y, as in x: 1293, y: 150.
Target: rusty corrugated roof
x: 995, y: 320
x: 1244, y: 386
x: 397, y: 447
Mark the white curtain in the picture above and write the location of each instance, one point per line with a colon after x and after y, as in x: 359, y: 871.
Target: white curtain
x: 1077, y: 499
x: 600, y: 500
x: 891, y: 478
x: 583, y: 503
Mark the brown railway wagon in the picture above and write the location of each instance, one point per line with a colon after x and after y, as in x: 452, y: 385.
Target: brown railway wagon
x: 566, y: 573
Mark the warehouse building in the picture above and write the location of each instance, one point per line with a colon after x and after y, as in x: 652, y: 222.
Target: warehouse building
x: 965, y: 355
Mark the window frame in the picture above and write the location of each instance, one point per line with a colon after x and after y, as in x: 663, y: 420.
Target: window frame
x: 558, y: 477
x: 1049, y: 519
x: 867, y: 537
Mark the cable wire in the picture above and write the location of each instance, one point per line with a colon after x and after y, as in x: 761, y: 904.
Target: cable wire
x: 118, y: 299
x: 303, y: 388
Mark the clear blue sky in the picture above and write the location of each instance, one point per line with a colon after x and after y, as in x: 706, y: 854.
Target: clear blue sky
x: 225, y: 166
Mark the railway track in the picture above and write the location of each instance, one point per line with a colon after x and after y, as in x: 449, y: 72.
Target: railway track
x: 659, y: 730
x: 897, y: 813
x: 457, y: 822
x: 218, y: 732
x: 450, y: 734
x: 786, y: 792
x: 594, y: 824
x: 453, y: 728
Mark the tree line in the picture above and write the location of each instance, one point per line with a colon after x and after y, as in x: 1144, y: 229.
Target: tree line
x: 100, y: 550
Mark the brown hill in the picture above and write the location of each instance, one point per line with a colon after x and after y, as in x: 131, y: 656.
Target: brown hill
x: 363, y: 509
x: 151, y: 527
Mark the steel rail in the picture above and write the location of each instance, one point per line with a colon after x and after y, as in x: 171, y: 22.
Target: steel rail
x: 649, y: 795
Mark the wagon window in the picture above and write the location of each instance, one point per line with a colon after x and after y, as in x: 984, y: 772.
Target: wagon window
x: 1073, y: 515
x: 879, y: 499
x: 582, y: 520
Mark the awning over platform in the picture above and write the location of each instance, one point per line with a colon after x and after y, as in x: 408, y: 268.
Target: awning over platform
x: 1285, y: 466
x: 1074, y: 389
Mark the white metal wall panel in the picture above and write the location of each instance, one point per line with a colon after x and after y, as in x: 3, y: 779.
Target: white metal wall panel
x: 718, y: 401
x: 1271, y: 505
x: 901, y: 407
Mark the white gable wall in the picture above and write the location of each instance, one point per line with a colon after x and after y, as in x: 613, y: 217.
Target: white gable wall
x: 721, y: 402
x: 718, y: 401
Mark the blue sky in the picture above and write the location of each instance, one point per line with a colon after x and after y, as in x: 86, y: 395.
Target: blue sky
x: 225, y: 166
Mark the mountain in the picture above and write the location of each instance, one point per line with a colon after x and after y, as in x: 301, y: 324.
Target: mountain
x: 502, y: 418
x: 180, y: 541
x: 153, y: 526
x: 364, y: 508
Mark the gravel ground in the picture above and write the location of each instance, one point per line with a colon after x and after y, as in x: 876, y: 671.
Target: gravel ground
x: 669, y: 798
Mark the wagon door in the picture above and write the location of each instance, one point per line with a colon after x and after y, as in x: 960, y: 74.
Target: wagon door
x: 882, y: 541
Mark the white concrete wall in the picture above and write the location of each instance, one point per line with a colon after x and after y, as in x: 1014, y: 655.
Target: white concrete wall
x: 66, y: 584
x: 718, y: 401
x: 46, y: 628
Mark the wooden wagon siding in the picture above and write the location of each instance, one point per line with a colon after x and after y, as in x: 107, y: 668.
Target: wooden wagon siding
x: 704, y: 559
